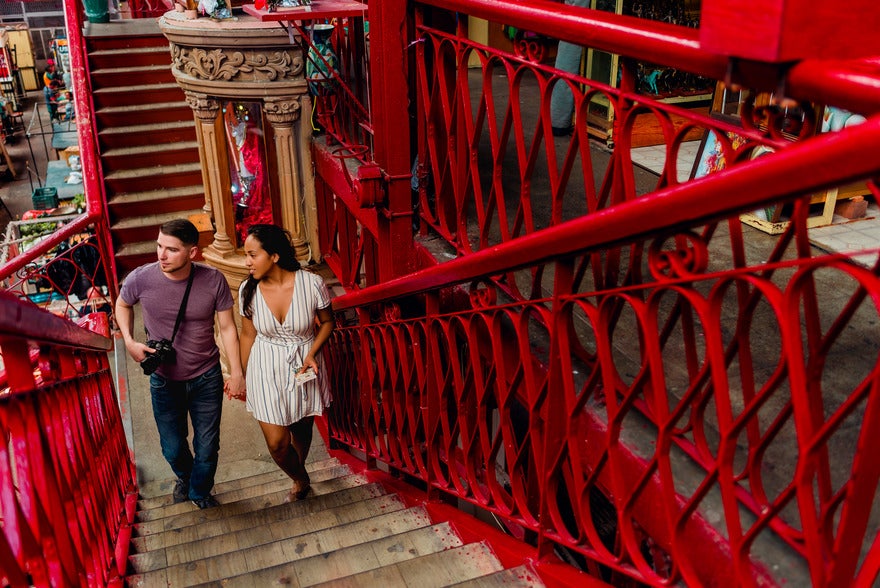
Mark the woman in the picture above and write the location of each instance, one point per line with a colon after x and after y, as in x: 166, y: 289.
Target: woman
x: 279, y: 306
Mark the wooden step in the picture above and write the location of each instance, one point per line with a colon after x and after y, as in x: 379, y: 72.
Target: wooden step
x: 126, y: 114
x: 135, y: 94
x: 146, y: 134
x: 155, y: 54
x: 124, y: 34
x: 308, y: 564
x: 356, y: 538
x: 244, y: 500
x: 156, y: 495
x: 126, y: 181
x: 268, y: 526
x: 149, y: 201
x: 144, y: 228
x: 125, y: 76
x: 512, y: 577
x: 444, y: 568
x: 161, y: 154
x: 344, y: 497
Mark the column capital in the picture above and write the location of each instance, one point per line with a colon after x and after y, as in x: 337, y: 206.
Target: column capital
x: 205, y: 108
x: 281, y: 111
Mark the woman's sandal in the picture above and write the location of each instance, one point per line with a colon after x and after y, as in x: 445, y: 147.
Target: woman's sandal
x: 304, y: 491
x: 301, y: 492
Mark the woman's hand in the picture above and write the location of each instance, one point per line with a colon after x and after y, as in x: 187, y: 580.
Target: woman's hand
x: 308, y: 363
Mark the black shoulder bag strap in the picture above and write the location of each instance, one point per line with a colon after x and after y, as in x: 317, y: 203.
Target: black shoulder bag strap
x: 180, y: 313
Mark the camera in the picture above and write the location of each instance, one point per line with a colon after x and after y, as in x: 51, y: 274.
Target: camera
x: 164, y: 354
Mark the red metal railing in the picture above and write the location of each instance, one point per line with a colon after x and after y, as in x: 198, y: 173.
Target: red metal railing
x: 620, y: 372
x: 632, y: 376
x: 67, y: 485
x: 34, y: 264
x: 95, y: 219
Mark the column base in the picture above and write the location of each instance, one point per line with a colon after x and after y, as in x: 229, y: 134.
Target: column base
x: 230, y: 264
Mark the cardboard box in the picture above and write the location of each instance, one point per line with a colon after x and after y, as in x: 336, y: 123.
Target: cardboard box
x: 66, y: 153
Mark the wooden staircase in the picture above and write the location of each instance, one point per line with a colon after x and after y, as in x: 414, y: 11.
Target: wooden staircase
x: 146, y: 136
x: 349, y: 532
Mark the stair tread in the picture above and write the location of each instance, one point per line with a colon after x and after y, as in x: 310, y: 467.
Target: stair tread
x: 139, y: 248
x: 149, y: 220
x: 267, y: 485
x: 158, y: 492
x: 126, y: 130
x: 276, y: 511
x: 132, y: 69
x: 307, y: 564
x: 148, y: 149
x: 518, y: 576
x: 180, y: 516
x: 153, y: 170
x: 136, y: 88
x: 317, y: 529
x: 364, y: 546
x: 159, y: 194
x: 434, y: 570
x: 161, y: 48
x: 124, y: 108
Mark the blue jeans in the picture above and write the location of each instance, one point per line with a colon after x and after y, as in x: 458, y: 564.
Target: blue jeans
x: 568, y: 59
x: 202, y: 398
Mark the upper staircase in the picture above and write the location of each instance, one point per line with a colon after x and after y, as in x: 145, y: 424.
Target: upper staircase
x: 350, y: 532
x: 146, y: 137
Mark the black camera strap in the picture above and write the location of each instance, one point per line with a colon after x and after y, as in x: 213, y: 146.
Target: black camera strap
x: 180, y: 313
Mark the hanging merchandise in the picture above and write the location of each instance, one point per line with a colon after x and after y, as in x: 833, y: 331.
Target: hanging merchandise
x: 322, y: 60
x: 216, y: 9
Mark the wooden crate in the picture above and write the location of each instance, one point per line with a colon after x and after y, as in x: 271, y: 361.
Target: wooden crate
x: 776, y: 225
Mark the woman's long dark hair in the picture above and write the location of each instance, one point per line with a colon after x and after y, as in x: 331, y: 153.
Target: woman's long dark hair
x: 274, y: 240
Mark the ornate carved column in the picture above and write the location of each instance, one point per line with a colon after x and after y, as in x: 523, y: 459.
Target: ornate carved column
x: 303, y: 132
x: 205, y: 110
x: 282, y: 113
x: 249, y: 61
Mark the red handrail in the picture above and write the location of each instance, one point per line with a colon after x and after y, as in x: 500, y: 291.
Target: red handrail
x: 68, y: 490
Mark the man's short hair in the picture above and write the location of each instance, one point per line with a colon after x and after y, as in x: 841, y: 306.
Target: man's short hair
x: 183, y: 230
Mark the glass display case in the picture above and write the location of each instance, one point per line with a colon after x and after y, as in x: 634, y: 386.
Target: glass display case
x: 250, y: 192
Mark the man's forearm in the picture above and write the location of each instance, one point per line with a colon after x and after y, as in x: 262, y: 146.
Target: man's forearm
x: 125, y: 321
x: 231, y: 347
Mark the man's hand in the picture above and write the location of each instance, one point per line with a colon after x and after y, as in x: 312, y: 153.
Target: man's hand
x: 137, y: 350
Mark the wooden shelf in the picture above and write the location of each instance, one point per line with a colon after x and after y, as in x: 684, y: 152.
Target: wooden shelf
x: 318, y: 10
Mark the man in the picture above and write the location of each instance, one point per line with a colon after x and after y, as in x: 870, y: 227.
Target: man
x: 193, y: 383
x: 51, y: 76
x: 568, y: 59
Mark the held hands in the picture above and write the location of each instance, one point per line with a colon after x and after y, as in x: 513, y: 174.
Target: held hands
x: 234, y: 388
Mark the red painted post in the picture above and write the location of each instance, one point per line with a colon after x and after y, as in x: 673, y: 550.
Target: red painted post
x: 390, y: 116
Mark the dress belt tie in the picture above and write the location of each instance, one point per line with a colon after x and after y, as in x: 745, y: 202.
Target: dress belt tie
x: 294, y: 355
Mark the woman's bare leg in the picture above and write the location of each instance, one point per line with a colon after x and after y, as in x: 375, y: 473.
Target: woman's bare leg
x: 301, y: 431
x: 278, y: 442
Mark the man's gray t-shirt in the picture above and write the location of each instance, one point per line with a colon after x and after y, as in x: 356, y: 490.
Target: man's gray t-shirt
x: 160, y: 299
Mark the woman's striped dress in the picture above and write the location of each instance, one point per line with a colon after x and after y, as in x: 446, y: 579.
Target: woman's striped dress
x: 273, y: 395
